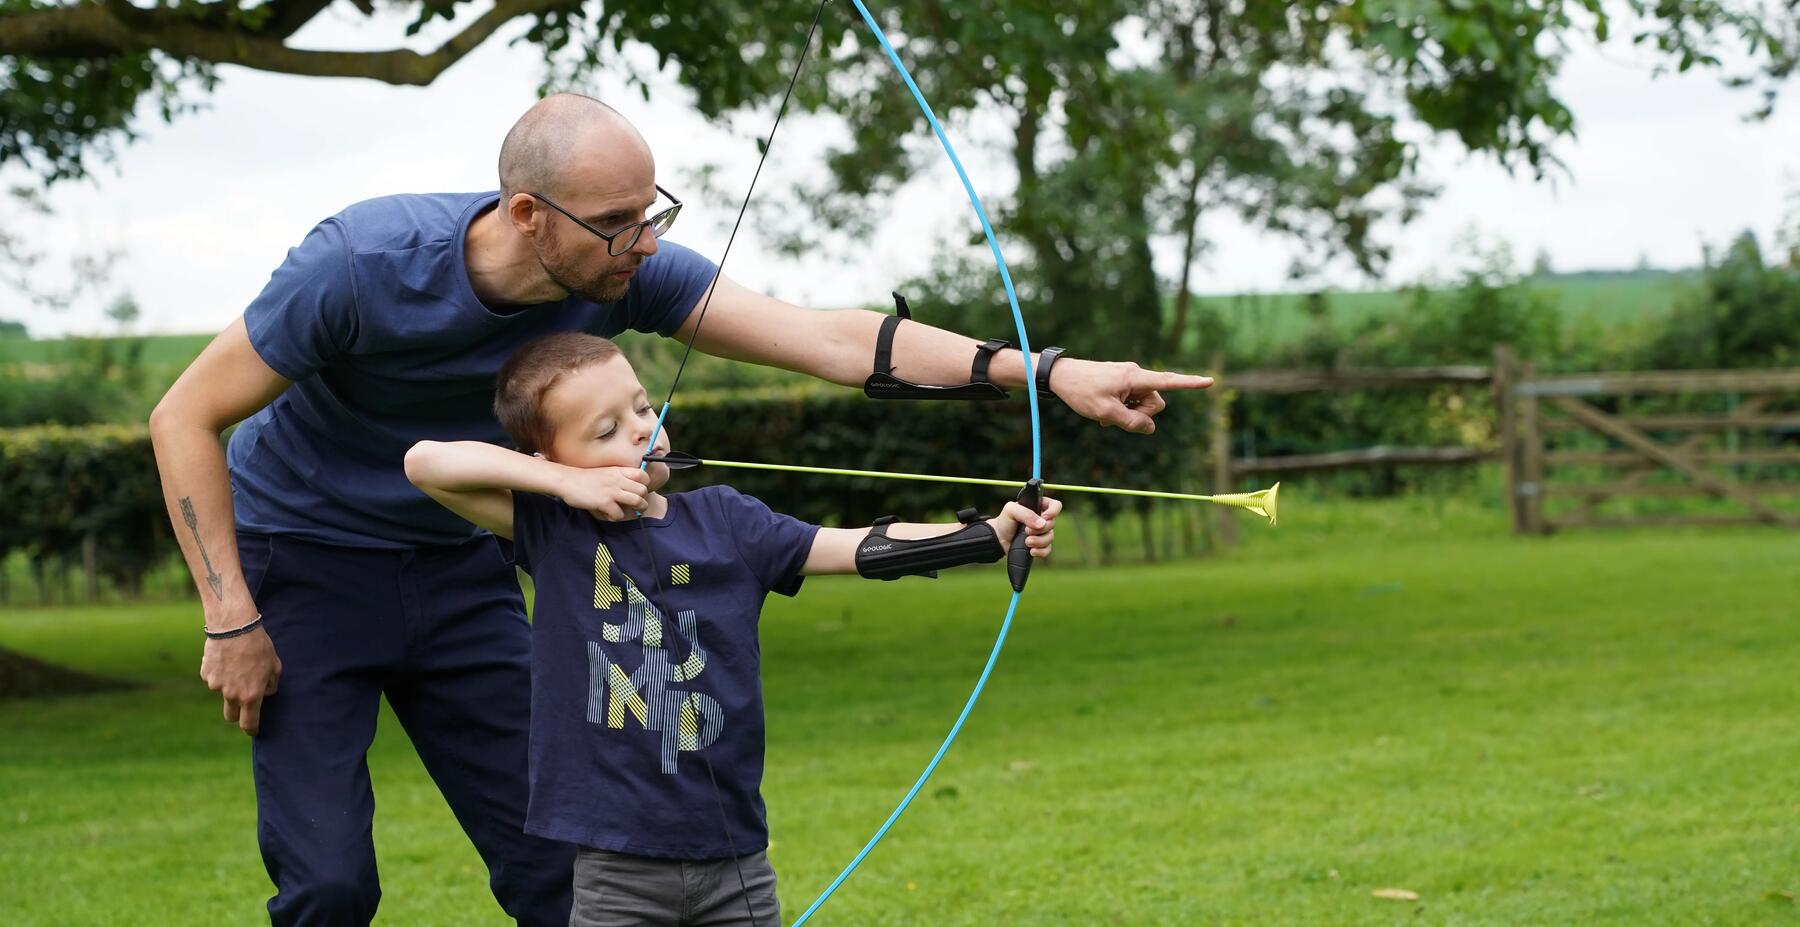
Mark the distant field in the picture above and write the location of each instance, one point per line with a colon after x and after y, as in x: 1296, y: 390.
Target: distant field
x: 159, y: 350
x: 1604, y: 301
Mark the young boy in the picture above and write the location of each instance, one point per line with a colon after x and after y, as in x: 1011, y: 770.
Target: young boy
x: 646, y: 703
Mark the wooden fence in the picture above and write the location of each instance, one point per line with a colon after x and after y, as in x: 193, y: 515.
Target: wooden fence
x: 1533, y: 408
x: 1226, y: 469
x: 1530, y: 409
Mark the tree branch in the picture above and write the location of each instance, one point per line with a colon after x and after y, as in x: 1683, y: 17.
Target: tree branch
x: 118, y: 28
x: 287, y: 16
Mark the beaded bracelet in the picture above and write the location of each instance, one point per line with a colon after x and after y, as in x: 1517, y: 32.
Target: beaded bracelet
x: 234, y: 632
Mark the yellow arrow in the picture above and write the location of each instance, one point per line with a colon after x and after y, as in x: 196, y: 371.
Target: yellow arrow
x: 1262, y: 501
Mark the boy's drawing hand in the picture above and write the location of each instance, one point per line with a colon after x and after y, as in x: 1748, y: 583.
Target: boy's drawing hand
x: 610, y: 493
x: 1040, y: 529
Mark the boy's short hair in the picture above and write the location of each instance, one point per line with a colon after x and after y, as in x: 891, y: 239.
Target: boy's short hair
x: 528, y: 375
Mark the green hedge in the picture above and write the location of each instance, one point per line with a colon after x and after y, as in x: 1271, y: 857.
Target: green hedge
x: 840, y: 428
x: 63, y: 485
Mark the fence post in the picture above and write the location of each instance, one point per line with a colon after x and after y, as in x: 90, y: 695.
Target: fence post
x: 1506, y: 372
x: 1219, y: 422
x: 1531, y: 458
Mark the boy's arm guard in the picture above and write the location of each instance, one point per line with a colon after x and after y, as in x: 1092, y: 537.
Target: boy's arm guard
x: 883, y: 557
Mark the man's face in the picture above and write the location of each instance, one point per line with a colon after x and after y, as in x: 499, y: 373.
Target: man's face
x: 610, y: 195
x: 601, y: 417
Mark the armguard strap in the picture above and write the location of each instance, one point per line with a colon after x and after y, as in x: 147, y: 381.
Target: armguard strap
x: 883, y: 557
x: 883, y: 384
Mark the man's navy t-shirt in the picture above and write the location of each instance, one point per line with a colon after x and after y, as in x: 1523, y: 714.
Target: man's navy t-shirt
x: 645, y: 667
x: 375, y: 321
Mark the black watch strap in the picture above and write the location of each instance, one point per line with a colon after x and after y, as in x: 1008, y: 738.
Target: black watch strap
x: 1046, y: 359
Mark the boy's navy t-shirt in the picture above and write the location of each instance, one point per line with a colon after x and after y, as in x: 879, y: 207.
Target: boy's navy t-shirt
x: 375, y: 321
x: 645, y: 666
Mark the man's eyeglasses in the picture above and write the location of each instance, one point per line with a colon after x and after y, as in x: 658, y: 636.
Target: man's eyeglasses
x: 623, y: 240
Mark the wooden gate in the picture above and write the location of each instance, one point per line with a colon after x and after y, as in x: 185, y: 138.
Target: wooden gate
x: 1649, y: 447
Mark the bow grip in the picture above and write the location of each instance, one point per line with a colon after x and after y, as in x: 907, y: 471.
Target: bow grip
x: 1018, y: 556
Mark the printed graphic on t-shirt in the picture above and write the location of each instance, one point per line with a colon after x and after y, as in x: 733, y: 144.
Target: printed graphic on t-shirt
x: 685, y: 720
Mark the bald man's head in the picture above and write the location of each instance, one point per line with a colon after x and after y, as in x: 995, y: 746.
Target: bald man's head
x: 558, y: 135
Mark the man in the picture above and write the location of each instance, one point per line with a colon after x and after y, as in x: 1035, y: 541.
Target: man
x: 321, y: 569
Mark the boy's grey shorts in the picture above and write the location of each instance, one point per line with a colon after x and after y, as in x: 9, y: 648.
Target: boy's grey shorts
x: 620, y: 890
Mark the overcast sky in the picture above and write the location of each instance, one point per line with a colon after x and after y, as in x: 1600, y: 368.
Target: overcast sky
x: 205, y: 208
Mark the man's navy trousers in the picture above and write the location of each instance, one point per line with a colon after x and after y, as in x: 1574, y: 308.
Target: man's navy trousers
x: 440, y: 631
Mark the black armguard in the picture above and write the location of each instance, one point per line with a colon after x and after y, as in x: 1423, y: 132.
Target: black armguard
x: 883, y: 384
x: 883, y: 557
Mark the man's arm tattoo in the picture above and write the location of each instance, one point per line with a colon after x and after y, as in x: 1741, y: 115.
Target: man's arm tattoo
x: 193, y: 522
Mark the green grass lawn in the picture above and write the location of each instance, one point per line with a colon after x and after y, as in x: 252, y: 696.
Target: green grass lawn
x: 1587, y: 729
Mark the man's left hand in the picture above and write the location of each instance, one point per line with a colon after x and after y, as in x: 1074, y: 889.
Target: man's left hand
x: 1120, y: 394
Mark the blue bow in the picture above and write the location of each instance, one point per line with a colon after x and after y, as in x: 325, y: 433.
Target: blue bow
x: 1012, y: 606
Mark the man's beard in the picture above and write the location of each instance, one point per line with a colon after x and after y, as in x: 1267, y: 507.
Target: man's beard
x: 603, y: 289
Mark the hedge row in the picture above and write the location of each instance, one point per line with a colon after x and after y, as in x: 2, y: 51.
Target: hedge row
x: 66, y: 488
x: 63, y: 486
x: 980, y: 439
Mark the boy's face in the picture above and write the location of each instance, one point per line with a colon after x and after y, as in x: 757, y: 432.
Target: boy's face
x: 600, y: 417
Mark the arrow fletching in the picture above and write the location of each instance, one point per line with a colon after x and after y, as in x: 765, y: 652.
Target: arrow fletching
x: 675, y: 460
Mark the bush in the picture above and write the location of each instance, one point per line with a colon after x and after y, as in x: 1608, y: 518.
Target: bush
x: 1746, y: 314
x: 837, y: 428
x: 65, y: 486
x: 1433, y: 327
x: 83, y: 381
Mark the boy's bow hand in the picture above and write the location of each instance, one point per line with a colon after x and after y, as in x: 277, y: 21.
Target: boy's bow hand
x: 610, y: 493
x: 1040, y: 528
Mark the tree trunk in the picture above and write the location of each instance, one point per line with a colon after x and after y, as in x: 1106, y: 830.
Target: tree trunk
x: 1184, y: 294
x: 90, y: 568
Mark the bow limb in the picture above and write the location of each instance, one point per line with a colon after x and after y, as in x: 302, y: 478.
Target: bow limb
x: 1012, y: 606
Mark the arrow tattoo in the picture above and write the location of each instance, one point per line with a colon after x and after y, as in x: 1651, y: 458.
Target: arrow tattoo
x: 213, y: 578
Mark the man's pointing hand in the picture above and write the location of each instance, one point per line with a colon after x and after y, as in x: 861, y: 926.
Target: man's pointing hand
x: 1119, y: 394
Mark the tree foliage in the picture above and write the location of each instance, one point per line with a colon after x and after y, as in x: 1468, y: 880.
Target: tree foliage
x: 1746, y: 314
x: 85, y: 381
x: 77, y: 76
x: 21, y: 261
x: 1129, y: 124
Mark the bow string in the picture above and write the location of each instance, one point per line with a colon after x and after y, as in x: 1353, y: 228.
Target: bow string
x: 1031, y: 398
